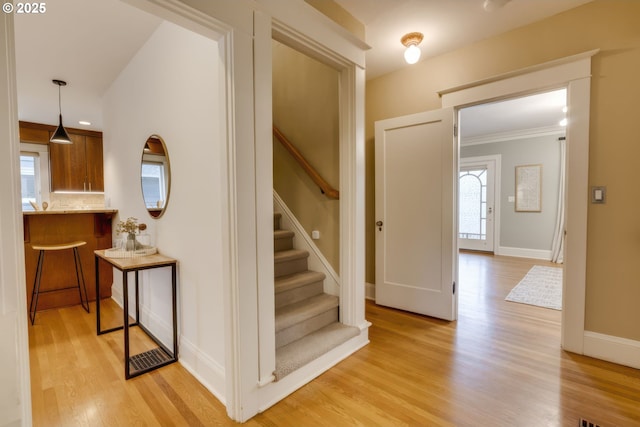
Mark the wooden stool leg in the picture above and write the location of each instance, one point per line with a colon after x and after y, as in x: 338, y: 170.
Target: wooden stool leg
x: 35, y: 293
x: 79, y: 274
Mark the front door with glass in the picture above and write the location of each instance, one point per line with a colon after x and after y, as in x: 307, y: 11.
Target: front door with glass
x: 476, y: 204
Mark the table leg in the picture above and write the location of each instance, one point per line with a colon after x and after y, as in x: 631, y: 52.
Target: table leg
x: 137, y: 300
x: 175, y: 313
x: 97, y: 295
x: 125, y: 303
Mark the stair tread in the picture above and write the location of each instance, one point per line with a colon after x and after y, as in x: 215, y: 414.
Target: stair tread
x: 300, y: 311
x: 283, y: 234
x: 300, y: 352
x: 296, y: 280
x: 289, y: 254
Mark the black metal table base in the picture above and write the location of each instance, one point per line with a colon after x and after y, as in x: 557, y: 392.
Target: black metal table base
x: 149, y: 360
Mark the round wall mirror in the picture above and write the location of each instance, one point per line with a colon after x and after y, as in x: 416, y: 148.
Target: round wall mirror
x: 155, y: 176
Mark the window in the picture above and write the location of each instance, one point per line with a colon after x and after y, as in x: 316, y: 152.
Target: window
x: 34, y: 174
x: 473, y: 204
x: 153, y: 183
x: 30, y: 179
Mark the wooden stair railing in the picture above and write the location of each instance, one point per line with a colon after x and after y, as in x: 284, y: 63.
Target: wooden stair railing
x: 325, y: 187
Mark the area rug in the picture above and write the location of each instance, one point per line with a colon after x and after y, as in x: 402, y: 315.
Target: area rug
x: 542, y: 286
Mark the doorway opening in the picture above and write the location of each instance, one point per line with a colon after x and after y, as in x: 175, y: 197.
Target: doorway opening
x: 510, y: 224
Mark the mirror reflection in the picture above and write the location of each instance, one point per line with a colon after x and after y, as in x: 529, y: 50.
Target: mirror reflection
x: 155, y: 176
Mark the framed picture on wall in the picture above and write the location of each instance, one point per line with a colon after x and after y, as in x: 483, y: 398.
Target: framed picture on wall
x: 528, y: 188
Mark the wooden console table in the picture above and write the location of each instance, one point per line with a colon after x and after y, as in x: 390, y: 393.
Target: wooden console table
x: 152, y: 359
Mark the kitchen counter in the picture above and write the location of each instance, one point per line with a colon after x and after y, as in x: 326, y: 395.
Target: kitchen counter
x: 59, y: 226
x: 70, y: 211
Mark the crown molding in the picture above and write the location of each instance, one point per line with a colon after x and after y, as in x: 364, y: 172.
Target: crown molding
x: 512, y: 135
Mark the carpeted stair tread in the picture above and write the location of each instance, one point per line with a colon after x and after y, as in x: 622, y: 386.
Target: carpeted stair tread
x: 296, y: 280
x: 283, y: 234
x: 298, y: 353
x: 276, y: 220
x: 283, y: 240
x: 299, y: 312
x: 289, y: 255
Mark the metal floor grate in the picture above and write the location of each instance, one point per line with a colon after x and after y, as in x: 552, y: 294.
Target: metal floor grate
x: 148, y: 359
x: 586, y: 423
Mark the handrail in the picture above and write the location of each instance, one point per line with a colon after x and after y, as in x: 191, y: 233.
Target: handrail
x: 325, y: 187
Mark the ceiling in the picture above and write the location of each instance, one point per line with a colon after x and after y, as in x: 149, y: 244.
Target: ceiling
x: 509, y: 119
x: 88, y: 42
x: 446, y: 24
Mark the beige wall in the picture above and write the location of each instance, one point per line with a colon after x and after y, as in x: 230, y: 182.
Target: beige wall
x: 613, y: 255
x: 305, y: 109
x: 339, y: 15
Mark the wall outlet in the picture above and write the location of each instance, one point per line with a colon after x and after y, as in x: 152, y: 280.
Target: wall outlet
x: 511, y: 199
x: 315, y: 234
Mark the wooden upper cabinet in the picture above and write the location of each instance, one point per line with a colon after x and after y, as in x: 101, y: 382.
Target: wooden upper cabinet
x: 68, y: 165
x: 95, y: 165
x: 34, y: 133
x: 73, y: 167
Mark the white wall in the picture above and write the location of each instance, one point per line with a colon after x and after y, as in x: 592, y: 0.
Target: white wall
x: 525, y: 230
x: 172, y: 88
x: 15, y: 404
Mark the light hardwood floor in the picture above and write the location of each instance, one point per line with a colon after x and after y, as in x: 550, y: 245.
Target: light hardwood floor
x: 500, y: 364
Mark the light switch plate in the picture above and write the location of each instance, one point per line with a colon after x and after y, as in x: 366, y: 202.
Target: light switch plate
x: 598, y: 195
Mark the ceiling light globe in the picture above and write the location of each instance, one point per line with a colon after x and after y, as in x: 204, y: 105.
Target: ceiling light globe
x: 412, y: 54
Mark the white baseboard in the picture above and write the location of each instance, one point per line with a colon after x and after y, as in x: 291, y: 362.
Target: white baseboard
x: 116, y: 295
x: 206, y: 370
x: 524, y: 253
x: 618, y: 350
x: 369, y: 291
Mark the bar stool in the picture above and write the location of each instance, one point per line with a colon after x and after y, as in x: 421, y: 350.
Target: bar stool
x: 33, y: 307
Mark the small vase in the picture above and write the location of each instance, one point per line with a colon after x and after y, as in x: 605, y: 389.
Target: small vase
x: 130, y: 245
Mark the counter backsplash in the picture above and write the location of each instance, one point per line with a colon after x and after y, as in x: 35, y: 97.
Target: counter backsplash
x: 62, y: 201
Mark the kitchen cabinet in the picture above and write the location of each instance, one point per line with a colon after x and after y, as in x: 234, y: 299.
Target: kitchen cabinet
x: 73, y: 167
x: 77, y: 166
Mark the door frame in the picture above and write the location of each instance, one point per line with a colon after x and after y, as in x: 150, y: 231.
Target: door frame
x: 574, y: 74
x: 497, y: 174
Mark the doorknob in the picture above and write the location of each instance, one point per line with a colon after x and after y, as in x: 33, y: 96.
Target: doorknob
x: 379, y: 224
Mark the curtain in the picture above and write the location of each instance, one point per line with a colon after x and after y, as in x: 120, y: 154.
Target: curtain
x: 557, y: 247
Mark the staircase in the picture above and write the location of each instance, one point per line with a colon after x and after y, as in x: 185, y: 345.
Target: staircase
x: 307, y: 320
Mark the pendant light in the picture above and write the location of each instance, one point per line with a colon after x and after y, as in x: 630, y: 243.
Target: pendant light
x: 60, y: 136
x: 411, y: 42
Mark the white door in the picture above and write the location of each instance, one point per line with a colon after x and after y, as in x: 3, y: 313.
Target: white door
x: 416, y: 242
x: 476, y: 207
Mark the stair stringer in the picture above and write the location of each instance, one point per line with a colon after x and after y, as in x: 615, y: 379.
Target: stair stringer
x: 302, y: 240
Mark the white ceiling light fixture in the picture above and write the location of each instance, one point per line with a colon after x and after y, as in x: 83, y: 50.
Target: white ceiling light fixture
x: 493, y: 5
x: 411, y: 42
x: 60, y: 136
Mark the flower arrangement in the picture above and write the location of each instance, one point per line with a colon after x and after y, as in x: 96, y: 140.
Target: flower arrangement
x: 130, y: 226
